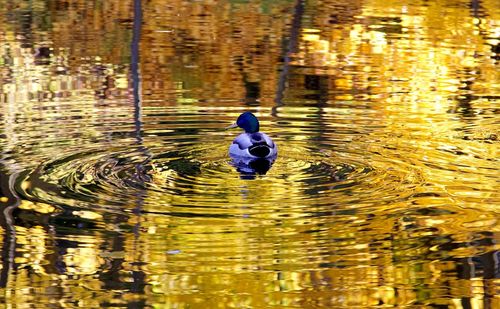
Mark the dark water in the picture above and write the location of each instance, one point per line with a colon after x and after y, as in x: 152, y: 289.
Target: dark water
x: 117, y: 188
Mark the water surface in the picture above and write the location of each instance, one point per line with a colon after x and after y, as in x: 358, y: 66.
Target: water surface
x: 117, y: 189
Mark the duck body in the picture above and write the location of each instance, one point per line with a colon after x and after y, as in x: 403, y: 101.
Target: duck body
x: 252, y: 144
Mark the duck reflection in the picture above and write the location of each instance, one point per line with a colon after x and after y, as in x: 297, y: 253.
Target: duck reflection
x: 249, y: 168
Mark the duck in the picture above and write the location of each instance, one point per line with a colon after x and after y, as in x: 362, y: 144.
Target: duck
x: 251, y: 144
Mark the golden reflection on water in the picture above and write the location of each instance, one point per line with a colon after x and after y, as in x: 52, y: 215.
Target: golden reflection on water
x: 384, y: 192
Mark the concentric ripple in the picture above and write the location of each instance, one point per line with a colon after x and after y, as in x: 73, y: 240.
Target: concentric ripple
x: 201, y: 180
x: 183, y: 169
x: 94, y: 179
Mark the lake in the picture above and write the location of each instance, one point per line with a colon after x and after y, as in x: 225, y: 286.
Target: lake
x: 117, y: 190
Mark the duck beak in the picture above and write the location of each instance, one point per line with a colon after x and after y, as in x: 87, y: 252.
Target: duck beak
x: 234, y: 125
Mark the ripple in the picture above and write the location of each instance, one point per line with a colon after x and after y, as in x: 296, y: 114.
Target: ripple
x: 87, y: 179
x: 199, y: 180
x: 331, y: 167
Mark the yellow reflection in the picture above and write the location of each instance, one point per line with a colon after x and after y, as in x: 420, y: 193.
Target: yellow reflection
x: 82, y: 260
x: 38, y: 207
x: 87, y: 214
x: 215, y: 241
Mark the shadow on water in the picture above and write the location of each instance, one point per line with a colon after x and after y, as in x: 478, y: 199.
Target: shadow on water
x: 9, y: 202
x: 138, y: 276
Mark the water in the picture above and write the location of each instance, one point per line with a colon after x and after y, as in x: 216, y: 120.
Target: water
x: 117, y: 189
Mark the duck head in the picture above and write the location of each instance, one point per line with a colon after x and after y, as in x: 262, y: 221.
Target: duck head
x: 248, y: 122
